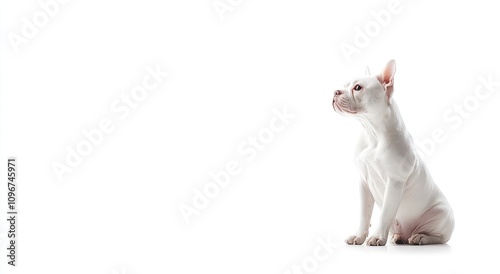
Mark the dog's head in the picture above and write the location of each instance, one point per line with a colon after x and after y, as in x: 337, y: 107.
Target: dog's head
x: 366, y: 94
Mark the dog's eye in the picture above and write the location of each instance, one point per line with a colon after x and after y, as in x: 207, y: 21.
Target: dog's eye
x: 357, y: 88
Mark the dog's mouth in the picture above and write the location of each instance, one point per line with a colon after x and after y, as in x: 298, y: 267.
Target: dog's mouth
x: 342, y: 109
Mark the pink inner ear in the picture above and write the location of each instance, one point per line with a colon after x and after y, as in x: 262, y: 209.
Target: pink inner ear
x: 387, y: 76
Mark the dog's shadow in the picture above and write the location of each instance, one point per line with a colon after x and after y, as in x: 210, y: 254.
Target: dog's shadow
x: 403, y: 249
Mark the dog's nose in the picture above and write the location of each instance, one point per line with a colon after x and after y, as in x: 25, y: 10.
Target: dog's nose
x: 338, y: 92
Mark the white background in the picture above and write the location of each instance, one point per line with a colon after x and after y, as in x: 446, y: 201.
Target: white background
x: 117, y: 211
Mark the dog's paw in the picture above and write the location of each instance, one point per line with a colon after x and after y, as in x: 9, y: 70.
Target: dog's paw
x: 397, y: 239
x: 355, y: 240
x: 417, y: 239
x: 376, y: 241
x: 424, y: 239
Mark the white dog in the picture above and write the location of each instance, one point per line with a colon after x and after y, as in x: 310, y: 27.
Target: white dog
x: 393, y: 176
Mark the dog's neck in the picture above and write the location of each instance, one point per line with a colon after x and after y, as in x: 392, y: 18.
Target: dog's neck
x: 385, y: 124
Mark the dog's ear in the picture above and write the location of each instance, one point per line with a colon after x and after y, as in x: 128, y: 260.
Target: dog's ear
x: 386, y: 78
x: 367, y: 71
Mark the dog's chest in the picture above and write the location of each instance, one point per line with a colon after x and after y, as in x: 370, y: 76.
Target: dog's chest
x: 373, y: 169
x: 369, y: 160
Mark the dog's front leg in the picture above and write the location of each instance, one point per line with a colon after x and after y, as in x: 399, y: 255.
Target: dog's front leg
x: 392, y: 199
x: 367, y: 203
